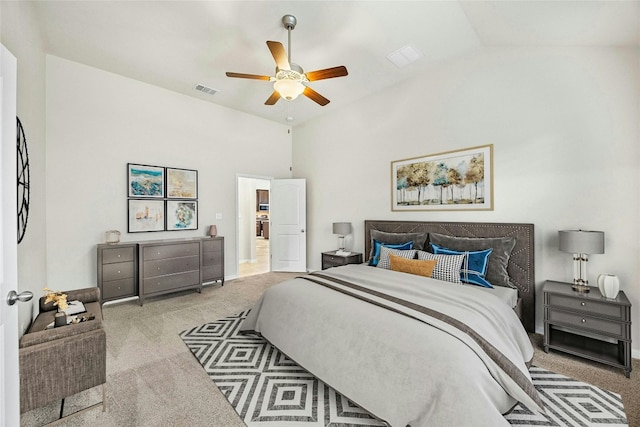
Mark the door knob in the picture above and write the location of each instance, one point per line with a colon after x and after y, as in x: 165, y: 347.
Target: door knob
x: 22, y: 297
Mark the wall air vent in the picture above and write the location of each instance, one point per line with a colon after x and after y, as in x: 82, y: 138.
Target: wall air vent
x: 204, y: 89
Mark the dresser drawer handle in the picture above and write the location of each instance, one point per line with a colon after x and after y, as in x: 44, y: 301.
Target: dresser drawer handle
x: 583, y: 303
x: 584, y: 320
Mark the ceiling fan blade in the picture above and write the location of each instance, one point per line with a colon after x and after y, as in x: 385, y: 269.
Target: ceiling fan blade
x: 279, y: 54
x: 327, y: 73
x: 315, y: 96
x: 247, y: 76
x: 275, y: 96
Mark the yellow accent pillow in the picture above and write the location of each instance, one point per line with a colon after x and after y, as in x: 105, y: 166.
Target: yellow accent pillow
x: 418, y: 267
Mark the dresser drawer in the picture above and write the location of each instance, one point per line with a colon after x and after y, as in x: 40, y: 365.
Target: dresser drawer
x: 212, y: 246
x: 117, y: 271
x: 576, y: 320
x: 118, y: 289
x: 170, y: 266
x: 592, y: 307
x: 213, y: 272
x: 171, y: 251
x: 211, y: 258
x: 171, y: 282
x: 118, y: 255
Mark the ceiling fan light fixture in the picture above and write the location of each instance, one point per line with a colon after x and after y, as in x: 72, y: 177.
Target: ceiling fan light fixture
x: 288, y: 82
x: 288, y: 89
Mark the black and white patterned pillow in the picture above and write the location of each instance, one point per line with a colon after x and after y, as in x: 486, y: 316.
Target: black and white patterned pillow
x: 447, y: 266
x: 385, y: 262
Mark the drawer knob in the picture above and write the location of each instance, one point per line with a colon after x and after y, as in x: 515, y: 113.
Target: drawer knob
x: 584, y: 320
x: 583, y: 303
x: 118, y: 255
x: 118, y: 271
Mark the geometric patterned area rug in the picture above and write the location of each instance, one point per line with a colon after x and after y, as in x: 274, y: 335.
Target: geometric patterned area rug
x: 268, y: 389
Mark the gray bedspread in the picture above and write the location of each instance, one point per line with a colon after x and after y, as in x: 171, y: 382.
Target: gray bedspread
x: 413, y: 351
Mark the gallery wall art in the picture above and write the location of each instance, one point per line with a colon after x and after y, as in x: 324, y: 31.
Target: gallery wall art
x: 161, y: 198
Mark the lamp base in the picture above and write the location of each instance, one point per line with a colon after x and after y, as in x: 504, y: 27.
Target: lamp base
x: 580, y: 288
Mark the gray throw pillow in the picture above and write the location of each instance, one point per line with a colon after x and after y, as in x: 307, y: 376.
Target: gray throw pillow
x: 419, y: 239
x: 502, y: 246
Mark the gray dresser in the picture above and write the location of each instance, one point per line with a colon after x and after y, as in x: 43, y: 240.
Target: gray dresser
x: 212, y: 262
x: 156, y: 267
x: 117, y: 271
x: 168, y: 266
x: 588, y: 324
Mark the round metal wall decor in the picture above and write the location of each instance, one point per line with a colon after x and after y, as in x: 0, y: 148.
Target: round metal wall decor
x: 23, y: 181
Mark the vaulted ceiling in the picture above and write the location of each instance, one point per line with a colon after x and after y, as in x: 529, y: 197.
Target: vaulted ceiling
x: 180, y: 44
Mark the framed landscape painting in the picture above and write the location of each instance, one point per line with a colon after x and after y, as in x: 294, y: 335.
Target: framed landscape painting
x: 453, y: 180
x: 145, y: 180
x: 182, y: 183
x: 182, y: 215
x: 145, y: 215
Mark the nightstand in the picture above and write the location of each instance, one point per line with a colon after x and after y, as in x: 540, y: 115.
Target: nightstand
x: 588, y: 324
x: 330, y: 259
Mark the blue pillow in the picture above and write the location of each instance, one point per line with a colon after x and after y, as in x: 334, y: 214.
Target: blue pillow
x: 376, y: 249
x: 474, y: 266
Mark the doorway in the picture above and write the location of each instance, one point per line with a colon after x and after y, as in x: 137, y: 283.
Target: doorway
x: 253, y: 225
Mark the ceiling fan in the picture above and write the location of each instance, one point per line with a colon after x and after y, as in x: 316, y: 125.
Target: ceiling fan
x: 289, y: 80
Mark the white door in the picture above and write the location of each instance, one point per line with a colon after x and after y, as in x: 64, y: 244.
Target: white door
x: 288, y: 225
x: 9, y: 376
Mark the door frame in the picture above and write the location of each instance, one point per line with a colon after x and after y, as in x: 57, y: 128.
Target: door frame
x: 9, y: 359
x: 238, y: 213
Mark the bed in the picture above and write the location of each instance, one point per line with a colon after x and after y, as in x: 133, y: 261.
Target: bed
x: 412, y: 350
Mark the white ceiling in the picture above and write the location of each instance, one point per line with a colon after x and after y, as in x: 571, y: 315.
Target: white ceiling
x: 178, y: 44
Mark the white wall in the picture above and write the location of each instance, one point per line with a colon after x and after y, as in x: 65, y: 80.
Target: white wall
x: 565, y: 130
x: 97, y: 122
x: 20, y: 35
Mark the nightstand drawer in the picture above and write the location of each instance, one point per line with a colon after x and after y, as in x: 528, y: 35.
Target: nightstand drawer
x: 330, y: 259
x: 592, y: 307
x: 335, y: 260
x: 578, y: 321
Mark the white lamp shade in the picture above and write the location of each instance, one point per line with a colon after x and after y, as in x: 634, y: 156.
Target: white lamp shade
x: 342, y: 228
x: 581, y: 241
x: 288, y: 89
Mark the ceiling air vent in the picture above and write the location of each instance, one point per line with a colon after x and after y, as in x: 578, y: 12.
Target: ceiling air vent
x: 205, y: 89
x: 404, y: 56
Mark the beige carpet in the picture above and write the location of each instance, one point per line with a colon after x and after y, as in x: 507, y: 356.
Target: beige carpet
x: 154, y: 380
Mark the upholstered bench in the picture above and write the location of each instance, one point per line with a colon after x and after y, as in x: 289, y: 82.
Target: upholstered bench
x: 59, y: 362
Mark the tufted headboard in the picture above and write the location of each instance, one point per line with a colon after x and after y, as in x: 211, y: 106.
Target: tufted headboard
x: 521, y: 266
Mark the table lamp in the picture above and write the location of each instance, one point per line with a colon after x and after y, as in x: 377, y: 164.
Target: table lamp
x: 581, y: 243
x: 342, y: 229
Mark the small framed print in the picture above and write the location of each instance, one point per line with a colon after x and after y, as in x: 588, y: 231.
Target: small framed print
x: 145, y: 215
x: 145, y: 180
x: 182, y: 183
x: 182, y: 215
